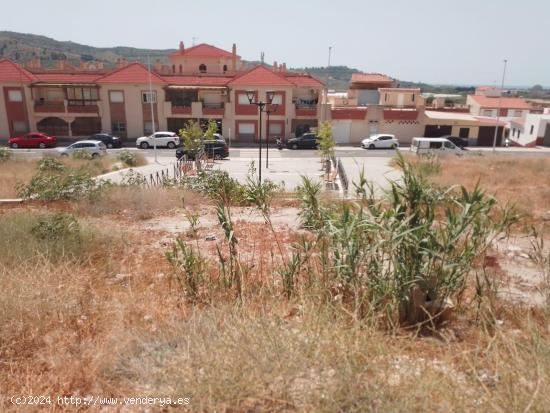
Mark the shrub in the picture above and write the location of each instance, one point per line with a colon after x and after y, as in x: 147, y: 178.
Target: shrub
x: 216, y: 184
x: 51, y: 164
x: 5, y: 154
x: 54, y: 227
x: 127, y: 158
x: 189, y: 268
x: 48, y: 186
x: 80, y: 154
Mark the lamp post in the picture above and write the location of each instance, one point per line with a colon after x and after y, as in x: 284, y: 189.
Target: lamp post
x: 499, y: 105
x: 269, y: 109
x: 251, y: 95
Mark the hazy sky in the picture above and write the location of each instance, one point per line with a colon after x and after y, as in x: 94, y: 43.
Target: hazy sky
x: 435, y: 41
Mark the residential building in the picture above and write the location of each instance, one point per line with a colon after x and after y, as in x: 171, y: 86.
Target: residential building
x: 506, y: 107
x: 531, y: 130
x: 200, y: 83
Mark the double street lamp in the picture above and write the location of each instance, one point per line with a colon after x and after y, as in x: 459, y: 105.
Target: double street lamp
x: 268, y: 108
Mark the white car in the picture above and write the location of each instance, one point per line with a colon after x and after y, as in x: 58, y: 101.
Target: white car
x: 94, y: 148
x: 382, y: 140
x: 168, y: 139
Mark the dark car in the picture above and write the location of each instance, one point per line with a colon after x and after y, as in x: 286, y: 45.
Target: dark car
x: 32, y: 140
x: 460, y: 142
x: 306, y: 141
x: 110, y: 141
x: 215, y: 148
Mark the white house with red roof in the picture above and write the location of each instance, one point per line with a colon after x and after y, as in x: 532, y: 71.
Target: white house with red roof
x: 491, y: 105
x: 202, y: 82
x: 531, y: 130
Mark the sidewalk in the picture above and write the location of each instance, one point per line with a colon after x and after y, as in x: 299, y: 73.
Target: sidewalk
x: 164, y: 163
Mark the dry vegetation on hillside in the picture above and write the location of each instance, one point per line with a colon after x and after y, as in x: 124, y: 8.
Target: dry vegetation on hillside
x: 91, y: 305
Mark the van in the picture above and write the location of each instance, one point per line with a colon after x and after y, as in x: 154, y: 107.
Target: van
x: 436, y: 146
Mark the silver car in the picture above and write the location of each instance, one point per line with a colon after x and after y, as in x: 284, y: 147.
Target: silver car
x: 94, y: 148
x: 382, y: 140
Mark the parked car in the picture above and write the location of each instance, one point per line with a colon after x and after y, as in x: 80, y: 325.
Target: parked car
x: 32, y: 140
x: 94, y: 148
x: 215, y: 148
x: 384, y: 141
x: 168, y: 139
x: 306, y: 141
x: 460, y: 142
x: 110, y: 141
x: 436, y: 146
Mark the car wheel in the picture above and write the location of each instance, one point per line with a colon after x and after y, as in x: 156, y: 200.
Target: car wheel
x: 171, y: 145
x: 371, y: 146
x: 14, y: 146
x: 95, y: 155
x: 110, y: 145
x: 144, y: 145
x: 65, y: 155
x: 42, y: 145
x: 394, y: 146
x: 217, y: 156
x: 295, y: 146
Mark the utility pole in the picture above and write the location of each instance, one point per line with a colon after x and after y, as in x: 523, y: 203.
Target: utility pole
x: 326, y: 85
x: 499, y: 105
x: 152, y: 111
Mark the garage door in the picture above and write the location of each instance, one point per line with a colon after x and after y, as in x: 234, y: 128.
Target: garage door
x: 341, y: 131
x: 546, y: 141
x: 437, y: 131
x: 486, y: 136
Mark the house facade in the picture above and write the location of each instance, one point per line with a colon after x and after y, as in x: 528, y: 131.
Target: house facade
x: 531, y: 130
x: 200, y: 83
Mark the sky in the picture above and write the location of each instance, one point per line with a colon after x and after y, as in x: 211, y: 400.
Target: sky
x: 433, y: 41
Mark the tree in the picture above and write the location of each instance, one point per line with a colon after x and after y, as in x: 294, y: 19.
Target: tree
x: 211, y: 129
x: 326, y: 140
x: 192, y: 136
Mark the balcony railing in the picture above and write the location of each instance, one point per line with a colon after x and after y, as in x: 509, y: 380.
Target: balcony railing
x: 44, y: 106
x: 213, y: 108
x: 306, y: 109
x: 82, y: 106
x: 179, y: 108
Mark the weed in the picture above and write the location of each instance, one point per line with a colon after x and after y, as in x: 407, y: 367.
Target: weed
x: 189, y: 268
x: 130, y: 159
x: 53, y: 227
x: 5, y: 154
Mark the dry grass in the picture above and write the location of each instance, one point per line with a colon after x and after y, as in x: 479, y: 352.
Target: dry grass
x: 514, y: 179
x: 113, y: 322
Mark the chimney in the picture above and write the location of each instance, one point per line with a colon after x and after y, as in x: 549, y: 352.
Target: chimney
x: 275, y: 66
x: 119, y: 63
x: 61, y: 64
x: 182, y: 47
x: 34, y: 63
x: 158, y: 66
x: 234, y: 58
x: 284, y: 67
x: 124, y: 62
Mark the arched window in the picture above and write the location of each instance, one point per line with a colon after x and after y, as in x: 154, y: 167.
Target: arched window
x: 202, y: 68
x: 224, y: 68
x: 181, y: 70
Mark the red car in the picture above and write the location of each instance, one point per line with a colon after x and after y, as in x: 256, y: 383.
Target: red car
x: 32, y: 140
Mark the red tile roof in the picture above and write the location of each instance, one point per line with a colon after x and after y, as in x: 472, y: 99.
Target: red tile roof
x: 300, y: 79
x: 12, y: 72
x: 197, y: 80
x: 260, y: 76
x: 506, y: 103
x: 67, y: 77
x: 370, y: 78
x: 203, y: 50
x: 132, y: 73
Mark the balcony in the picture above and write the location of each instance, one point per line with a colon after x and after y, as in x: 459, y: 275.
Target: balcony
x: 306, y: 110
x: 213, y: 109
x: 44, y: 106
x: 83, y: 106
x: 181, y: 110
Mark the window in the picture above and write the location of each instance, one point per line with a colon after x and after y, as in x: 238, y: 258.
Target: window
x: 15, y: 96
x: 118, y: 127
x: 19, y: 126
x: 277, y: 99
x: 413, y: 97
x: 116, y: 96
x: 449, y: 145
x: 532, y: 129
x: 275, y: 129
x: 224, y: 68
x: 82, y: 95
x: 242, y: 99
x: 435, y: 145
x: 148, y: 127
x: 487, y: 112
x: 247, y: 129
x: 149, y: 97
x: 181, y: 69
x: 202, y: 68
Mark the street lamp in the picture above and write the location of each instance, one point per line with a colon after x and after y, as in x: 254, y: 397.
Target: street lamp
x: 251, y: 95
x: 499, y: 105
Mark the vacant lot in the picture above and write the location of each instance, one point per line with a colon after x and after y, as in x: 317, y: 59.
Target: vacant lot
x: 246, y: 299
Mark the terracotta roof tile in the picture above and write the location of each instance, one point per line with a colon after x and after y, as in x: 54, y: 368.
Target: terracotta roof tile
x: 506, y: 103
x: 132, y: 73
x: 306, y: 80
x: 67, y: 77
x: 197, y: 80
x: 260, y: 76
x: 370, y: 78
x: 12, y: 72
x: 203, y: 50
